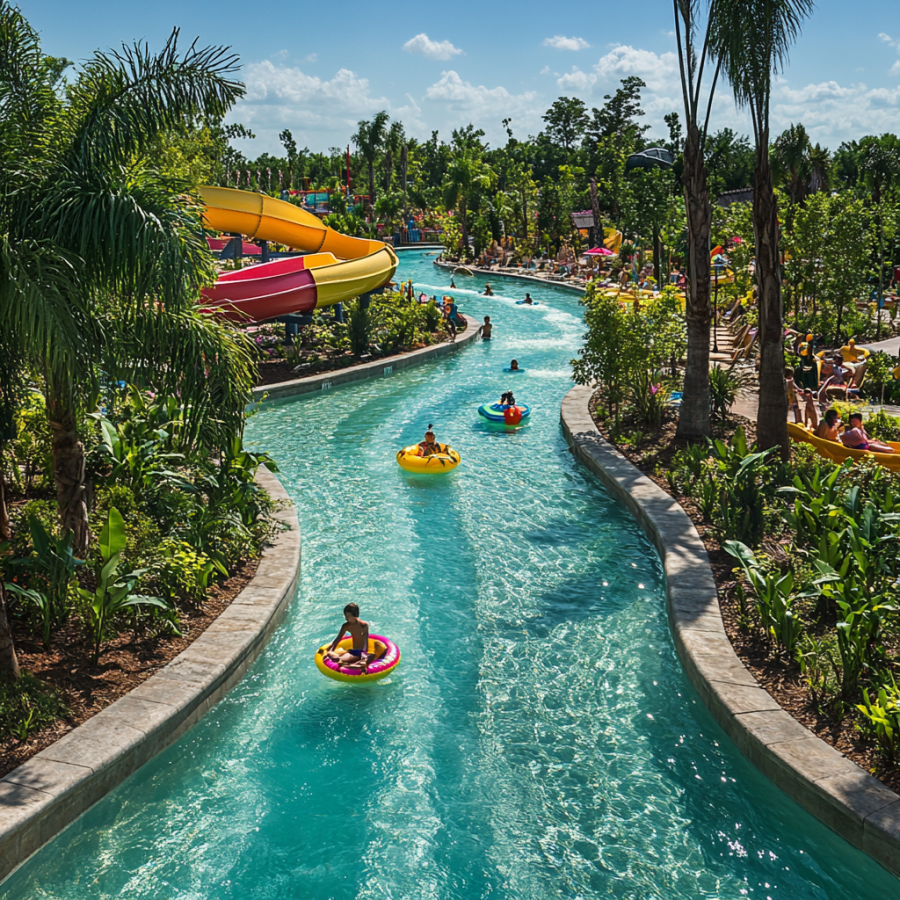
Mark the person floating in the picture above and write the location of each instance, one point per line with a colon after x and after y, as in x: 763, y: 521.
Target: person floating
x: 528, y: 300
x: 507, y: 399
x: 487, y: 291
x: 430, y: 445
x: 514, y: 366
x: 486, y: 329
x: 356, y: 657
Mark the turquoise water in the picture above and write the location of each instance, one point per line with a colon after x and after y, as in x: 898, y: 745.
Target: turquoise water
x: 539, y: 740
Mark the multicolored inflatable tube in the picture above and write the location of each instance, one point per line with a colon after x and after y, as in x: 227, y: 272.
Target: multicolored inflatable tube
x: 505, y: 415
x: 435, y: 464
x: 386, y: 651
x: 337, y: 267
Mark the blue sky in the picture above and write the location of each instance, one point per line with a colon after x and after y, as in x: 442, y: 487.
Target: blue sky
x: 319, y: 68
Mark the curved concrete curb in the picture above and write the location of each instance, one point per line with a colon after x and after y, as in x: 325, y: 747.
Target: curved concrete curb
x: 387, y: 366
x: 821, y: 779
x: 46, y: 794
x: 493, y: 273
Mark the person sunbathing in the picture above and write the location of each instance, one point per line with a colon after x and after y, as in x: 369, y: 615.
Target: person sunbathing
x: 855, y: 437
x: 829, y: 426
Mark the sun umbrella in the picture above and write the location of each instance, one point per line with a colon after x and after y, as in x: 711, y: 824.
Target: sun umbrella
x: 599, y: 251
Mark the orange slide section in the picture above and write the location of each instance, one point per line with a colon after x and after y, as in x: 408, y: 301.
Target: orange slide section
x: 339, y: 267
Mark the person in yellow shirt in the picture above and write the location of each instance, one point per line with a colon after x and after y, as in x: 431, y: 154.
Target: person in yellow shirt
x: 855, y: 361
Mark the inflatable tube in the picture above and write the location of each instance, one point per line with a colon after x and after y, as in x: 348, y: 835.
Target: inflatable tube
x: 839, y: 453
x: 437, y: 464
x: 516, y: 371
x: 387, y: 651
x: 523, y: 303
x: 495, y: 412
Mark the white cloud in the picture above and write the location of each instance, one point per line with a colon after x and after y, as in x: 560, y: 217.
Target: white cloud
x: 311, y: 58
x: 463, y: 95
x: 422, y: 45
x: 833, y: 112
x: 320, y: 112
x: 545, y: 70
x: 566, y: 43
x: 660, y: 72
x: 895, y: 68
x: 463, y: 102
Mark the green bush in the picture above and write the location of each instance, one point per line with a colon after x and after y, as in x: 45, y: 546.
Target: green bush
x: 27, y: 706
x: 359, y: 327
x: 183, y: 573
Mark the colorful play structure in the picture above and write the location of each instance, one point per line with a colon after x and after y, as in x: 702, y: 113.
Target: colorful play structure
x: 335, y: 267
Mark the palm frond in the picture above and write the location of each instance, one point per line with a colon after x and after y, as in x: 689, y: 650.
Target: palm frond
x: 123, y: 100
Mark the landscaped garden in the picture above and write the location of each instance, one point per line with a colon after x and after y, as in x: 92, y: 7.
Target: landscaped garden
x: 541, y: 738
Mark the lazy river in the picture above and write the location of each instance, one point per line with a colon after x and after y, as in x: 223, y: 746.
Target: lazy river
x: 539, y: 739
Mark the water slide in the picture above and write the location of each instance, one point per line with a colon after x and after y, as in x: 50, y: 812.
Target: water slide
x: 337, y: 267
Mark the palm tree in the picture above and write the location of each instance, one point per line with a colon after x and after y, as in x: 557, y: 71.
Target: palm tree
x: 465, y: 174
x: 116, y: 244
x: 791, y: 152
x: 693, y: 420
x: 819, y: 169
x: 369, y: 140
x: 751, y: 39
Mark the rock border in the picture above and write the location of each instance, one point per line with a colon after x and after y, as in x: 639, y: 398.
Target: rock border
x: 51, y: 790
x: 326, y: 380
x: 822, y: 780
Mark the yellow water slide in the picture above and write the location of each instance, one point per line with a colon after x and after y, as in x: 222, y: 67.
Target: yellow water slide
x: 337, y: 267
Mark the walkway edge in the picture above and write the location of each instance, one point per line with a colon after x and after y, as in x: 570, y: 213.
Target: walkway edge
x: 496, y: 273
x: 822, y: 780
x: 314, y: 383
x: 51, y: 790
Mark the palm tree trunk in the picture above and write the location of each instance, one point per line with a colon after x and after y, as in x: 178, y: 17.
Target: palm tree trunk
x: 595, y: 211
x: 371, y: 184
x: 404, y: 169
x: 9, y: 662
x: 4, y: 512
x: 68, y: 471
x: 464, y: 225
x: 771, y: 419
x: 693, y: 421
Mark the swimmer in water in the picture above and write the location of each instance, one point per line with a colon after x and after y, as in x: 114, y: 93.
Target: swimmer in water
x: 487, y: 291
x: 514, y: 366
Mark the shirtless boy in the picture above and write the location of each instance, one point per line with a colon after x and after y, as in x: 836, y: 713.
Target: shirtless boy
x: 357, y: 657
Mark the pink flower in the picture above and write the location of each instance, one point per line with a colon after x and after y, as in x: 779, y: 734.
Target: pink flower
x: 654, y: 388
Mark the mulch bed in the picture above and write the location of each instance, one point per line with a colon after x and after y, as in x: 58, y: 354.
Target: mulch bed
x: 780, y: 676
x: 125, y: 662
x: 277, y: 370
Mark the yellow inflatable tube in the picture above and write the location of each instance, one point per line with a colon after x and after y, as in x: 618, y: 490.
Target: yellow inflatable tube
x: 385, y: 653
x: 436, y: 464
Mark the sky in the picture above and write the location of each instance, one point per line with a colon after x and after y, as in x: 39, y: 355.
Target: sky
x: 317, y: 69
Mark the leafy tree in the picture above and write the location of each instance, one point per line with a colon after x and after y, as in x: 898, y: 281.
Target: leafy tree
x: 466, y: 175
x: 566, y: 121
x: 108, y: 241
x: 369, y: 140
